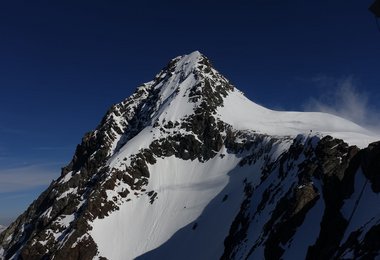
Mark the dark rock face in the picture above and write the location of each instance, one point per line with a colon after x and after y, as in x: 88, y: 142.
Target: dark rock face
x: 337, y: 166
x: 371, y: 165
x: 313, y: 184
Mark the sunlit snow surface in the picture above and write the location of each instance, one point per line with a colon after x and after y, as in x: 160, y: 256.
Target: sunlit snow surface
x: 192, y: 191
x: 243, y: 114
x: 184, y: 189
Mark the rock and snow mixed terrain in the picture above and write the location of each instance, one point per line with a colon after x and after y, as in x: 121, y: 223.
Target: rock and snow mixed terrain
x: 189, y: 168
x: 2, y: 228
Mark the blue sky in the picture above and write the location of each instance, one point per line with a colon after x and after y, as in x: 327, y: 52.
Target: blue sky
x: 63, y: 63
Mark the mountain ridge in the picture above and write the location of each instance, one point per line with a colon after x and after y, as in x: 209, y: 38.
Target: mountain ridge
x: 189, y: 142
x: 2, y: 228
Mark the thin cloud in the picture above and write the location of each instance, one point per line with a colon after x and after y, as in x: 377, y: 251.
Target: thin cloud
x: 345, y: 101
x: 26, y: 177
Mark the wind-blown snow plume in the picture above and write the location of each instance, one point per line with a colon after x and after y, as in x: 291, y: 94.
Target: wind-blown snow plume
x: 346, y: 101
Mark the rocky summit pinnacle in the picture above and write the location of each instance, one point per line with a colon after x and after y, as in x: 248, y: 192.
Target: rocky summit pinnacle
x: 188, y: 168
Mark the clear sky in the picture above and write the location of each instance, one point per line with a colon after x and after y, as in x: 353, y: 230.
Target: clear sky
x: 64, y: 63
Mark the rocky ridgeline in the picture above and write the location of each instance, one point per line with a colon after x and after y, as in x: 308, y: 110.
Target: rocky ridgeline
x: 311, y: 171
x: 2, y: 228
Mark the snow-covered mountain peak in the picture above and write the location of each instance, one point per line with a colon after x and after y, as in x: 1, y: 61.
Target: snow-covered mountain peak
x: 189, y: 73
x: 190, y: 85
x: 185, y: 86
x: 187, y: 164
x: 188, y: 63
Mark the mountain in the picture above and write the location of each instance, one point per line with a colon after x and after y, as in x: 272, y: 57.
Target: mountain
x: 189, y: 168
x: 2, y: 228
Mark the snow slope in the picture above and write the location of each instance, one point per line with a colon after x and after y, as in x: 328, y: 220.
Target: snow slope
x: 184, y: 189
x: 192, y: 195
x: 244, y: 114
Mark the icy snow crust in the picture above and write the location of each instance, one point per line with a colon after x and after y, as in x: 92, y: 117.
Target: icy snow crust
x: 188, y: 190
